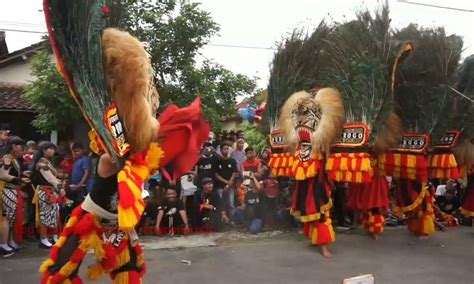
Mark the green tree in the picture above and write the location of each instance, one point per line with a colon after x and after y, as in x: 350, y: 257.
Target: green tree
x: 49, y: 95
x: 255, y: 138
x: 174, y: 43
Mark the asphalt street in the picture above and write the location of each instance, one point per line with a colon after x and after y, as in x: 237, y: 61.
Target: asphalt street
x: 285, y: 258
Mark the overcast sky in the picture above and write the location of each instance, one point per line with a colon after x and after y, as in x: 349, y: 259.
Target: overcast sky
x: 260, y: 23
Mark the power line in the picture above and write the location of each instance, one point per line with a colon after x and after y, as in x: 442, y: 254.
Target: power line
x: 10, y: 23
x: 435, y: 6
x: 242, y: 46
x: 22, y: 31
x: 211, y: 44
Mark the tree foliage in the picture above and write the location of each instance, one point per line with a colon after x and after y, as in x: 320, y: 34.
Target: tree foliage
x: 255, y: 138
x: 174, y: 33
x: 49, y: 96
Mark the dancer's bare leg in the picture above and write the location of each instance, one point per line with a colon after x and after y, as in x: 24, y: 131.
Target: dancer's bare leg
x: 325, y: 251
x: 375, y: 236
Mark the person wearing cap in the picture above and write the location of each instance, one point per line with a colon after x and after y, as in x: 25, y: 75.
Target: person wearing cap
x: 48, y: 194
x: 209, y: 210
x: 12, y: 179
x: 206, y: 166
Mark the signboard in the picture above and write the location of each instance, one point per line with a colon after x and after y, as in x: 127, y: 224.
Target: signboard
x: 414, y: 142
x: 352, y: 136
x: 277, y: 139
x: 449, y: 140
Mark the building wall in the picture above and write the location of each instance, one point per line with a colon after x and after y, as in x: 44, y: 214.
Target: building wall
x: 231, y: 124
x: 18, y: 72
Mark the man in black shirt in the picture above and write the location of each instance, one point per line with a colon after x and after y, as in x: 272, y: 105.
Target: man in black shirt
x: 226, y: 171
x: 206, y: 166
x: 209, y: 211
x: 251, y: 212
x: 171, y: 217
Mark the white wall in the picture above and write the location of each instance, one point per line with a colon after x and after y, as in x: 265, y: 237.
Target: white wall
x: 18, y: 72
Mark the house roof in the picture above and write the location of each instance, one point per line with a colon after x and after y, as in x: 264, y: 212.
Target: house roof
x: 20, y: 54
x: 11, y: 98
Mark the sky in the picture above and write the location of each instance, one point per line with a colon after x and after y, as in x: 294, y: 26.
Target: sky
x: 259, y: 24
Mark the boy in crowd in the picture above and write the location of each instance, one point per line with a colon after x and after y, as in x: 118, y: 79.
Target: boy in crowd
x: 252, y: 163
x: 208, y: 210
x: 250, y: 213
x: 171, y: 217
x: 80, y: 175
x: 226, y: 169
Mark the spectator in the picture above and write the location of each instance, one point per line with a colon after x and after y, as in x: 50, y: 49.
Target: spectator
x: 270, y: 193
x: 226, y: 140
x: 206, y: 166
x: 208, y: 210
x: 188, y: 188
x: 29, y: 153
x: 239, y: 154
x: 252, y: 164
x: 264, y: 160
x: 80, y: 175
x: 442, y: 188
x: 448, y: 203
x: 284, y: 200
x: 240, y: 136
x: 226, y: 169
x: 67, y: 163
x: 250, y: 213
x: 171, y: 217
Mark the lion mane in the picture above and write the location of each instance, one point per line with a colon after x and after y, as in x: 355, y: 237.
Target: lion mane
x: 330, y: 108
x: 130, y: 78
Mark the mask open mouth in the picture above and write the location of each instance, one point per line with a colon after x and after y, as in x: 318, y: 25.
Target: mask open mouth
x: 304, y: 133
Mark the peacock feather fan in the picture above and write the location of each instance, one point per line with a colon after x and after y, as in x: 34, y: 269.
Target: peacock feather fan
x: 362, y: 54
x: 424, y: 98
x: 75, y: 30
x: 295, y: 67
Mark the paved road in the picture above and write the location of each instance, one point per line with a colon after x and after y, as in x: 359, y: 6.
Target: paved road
x: 397, y: 258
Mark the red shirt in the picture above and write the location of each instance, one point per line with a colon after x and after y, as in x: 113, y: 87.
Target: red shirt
x: 251, y: 166
x: 67, y: 166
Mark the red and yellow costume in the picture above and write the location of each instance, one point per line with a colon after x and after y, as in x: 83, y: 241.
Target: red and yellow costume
x: 110, y: 77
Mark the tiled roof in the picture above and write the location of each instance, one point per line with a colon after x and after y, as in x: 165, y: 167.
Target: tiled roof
x: 11, y: 97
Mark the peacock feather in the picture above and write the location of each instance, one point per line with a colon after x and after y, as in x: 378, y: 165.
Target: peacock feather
x: 423, y: 95
x: 75, y: 30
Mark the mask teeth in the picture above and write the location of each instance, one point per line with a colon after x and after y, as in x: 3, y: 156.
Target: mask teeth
x: 304, y: 134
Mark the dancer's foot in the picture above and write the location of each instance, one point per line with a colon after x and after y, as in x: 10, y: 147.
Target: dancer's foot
x: 424, y: 237
x: 325, y: 251
x: 376, y: 237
